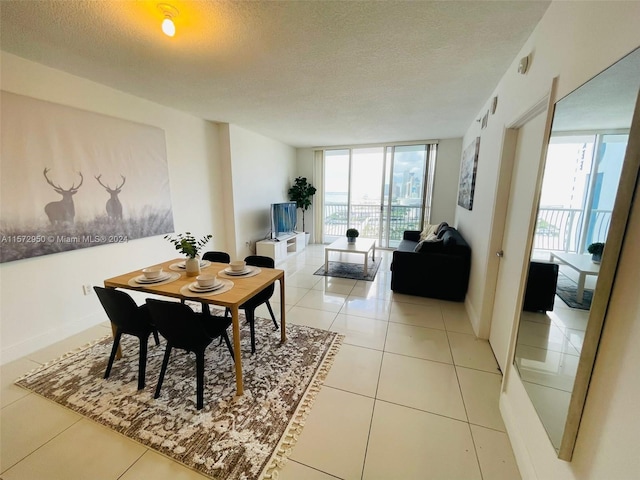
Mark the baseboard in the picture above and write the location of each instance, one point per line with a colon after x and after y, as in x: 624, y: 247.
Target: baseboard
x: 45, y: 339
x: 473, y: 317
x: 520, y: 452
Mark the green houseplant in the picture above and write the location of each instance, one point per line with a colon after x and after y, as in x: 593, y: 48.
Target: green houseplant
x: 188, y: 245
x: 301, y: 192
x: 596, y: 249
x: 352, y: 234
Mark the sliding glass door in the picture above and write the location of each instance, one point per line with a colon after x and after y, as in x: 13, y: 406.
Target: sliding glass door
x: 381, y: 191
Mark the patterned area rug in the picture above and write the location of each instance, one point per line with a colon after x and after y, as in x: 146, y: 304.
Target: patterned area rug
x: 566, y: 290
x: 354, y: 271
x: 246, y: 437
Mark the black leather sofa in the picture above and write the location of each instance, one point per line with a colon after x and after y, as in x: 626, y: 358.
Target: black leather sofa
x: 439, y: 270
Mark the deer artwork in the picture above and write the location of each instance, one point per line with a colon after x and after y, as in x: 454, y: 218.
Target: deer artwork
x: 62, y: 211
x: 114, y: 207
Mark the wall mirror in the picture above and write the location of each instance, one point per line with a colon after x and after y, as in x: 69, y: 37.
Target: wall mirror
x: 583, y: 200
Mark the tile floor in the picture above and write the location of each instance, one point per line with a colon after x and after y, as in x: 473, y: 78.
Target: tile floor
x: 547, y: 352
x: 411, y: 395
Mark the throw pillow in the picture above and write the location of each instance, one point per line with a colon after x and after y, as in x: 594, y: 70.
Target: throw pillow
x: 432, y: 237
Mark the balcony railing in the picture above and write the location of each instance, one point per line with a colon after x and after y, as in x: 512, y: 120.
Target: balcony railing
x: 366, y: 218
x: 562, y: 229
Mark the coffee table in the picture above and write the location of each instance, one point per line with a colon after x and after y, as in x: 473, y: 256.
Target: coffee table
x: 581, y: 264
x: 361, y: 245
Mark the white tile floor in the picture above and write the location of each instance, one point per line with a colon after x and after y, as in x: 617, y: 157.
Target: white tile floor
x: 547, y: 353
x: 411, y: 395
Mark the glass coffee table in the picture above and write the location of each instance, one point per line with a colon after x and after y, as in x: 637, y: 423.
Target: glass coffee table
x: 361, y: 245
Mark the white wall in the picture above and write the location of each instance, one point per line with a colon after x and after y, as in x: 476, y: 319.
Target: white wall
x: 574, y: 41
x: 445, y: 190
x: 262, y: 170
x: 36, y: 313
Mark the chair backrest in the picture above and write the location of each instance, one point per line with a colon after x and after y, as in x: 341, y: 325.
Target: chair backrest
x: 260, y: 261
x: 179, y: 324
x: 266, y: 262
x: 218, y: 257
x: 123, y: 311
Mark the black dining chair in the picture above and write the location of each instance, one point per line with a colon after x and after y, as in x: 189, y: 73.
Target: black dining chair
x: 250, y: 305
x: 187, y: 330
x: 217, y: 257
x: 127, y: 318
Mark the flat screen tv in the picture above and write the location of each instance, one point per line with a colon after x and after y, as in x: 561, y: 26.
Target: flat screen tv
x: 283, y: 219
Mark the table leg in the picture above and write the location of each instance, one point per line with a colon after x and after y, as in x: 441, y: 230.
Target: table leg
x: 283, y: 332
x: 235, y: 317
x: 580, y: 289
x: 326, y: 261
x: 366, y: 262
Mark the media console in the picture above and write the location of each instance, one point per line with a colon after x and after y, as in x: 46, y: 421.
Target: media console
x: 280, y: 250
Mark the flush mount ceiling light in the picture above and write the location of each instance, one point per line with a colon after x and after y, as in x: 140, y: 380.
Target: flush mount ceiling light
x: 169, y: 13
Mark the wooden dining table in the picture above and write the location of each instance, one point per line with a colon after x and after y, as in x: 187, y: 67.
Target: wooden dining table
x: 244, y: 287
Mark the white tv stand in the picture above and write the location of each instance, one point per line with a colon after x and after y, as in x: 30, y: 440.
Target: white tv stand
x: 285, y: 247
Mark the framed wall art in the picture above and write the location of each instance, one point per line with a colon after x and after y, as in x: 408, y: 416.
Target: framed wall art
x: 468, y: 168
x: 74, y: 179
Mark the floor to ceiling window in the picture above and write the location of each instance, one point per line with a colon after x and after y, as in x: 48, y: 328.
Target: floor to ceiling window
x: 573, y: 215
x: 380, y: 190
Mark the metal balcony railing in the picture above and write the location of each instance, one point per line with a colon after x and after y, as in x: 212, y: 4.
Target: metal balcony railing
x: 366, y: 218
x: 562, y: 229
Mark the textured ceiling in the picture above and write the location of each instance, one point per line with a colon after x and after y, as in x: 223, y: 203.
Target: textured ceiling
x: 307, y: 73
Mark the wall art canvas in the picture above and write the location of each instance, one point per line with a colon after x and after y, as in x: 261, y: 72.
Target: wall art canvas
x: 73, y: 179
x: 468, y: 169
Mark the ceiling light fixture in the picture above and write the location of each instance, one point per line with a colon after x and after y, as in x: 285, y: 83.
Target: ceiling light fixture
x: 169, y: 12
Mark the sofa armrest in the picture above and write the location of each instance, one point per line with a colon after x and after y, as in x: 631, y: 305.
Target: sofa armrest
x: 412, y: 235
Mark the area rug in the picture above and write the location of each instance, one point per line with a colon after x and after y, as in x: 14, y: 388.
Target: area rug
x: 354, y: 271
x: 566, y: 290
x: 237, y: 438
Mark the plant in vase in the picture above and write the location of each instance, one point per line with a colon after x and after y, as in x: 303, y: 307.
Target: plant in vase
x: 188, y: 245
x: 352, y: 234
x: 301, y: 192
x: 596, y: 249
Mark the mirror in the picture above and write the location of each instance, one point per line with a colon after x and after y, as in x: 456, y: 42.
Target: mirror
x: 567, y: 290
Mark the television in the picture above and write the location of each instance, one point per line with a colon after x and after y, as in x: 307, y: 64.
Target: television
x: 283, y: 219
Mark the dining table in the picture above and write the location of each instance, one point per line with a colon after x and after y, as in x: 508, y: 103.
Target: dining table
x: 237, y: 290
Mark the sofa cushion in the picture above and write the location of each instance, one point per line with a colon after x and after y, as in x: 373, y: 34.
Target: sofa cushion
x: 430, y: 246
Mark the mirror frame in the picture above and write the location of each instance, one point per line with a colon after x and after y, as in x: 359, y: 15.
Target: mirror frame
x: 627, y: 189
x: 602, y: 293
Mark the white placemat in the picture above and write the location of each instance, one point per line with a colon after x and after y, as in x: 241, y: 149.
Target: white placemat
x: 172, y: 278
x: 180, y: 267
x: 254, y: 271
x: 228, y: 285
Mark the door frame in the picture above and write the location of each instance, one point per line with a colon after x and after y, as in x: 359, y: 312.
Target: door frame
x: 498, y: 229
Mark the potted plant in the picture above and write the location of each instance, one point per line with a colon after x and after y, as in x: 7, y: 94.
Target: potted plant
x: 301, y: 192
x: 352, y: 234
x: 187, y: 244
x: 596, y: 249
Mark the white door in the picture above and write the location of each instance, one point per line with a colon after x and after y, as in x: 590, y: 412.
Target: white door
x: 515, y: 242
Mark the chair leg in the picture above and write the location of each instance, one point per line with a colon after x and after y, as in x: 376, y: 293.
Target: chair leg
x: 114, y: 350
x: 205, y: 309
x: 250, y: 314
x: 228, y: 342
x: 155, y: 337
x: 273, y: 317
x: 142, y: 362
x: 163, y: 370
x: 199, y: 380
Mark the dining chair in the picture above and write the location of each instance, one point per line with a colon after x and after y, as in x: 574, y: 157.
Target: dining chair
x: 217, y: 257
x: 127, y: 318
x: 262, y: 297
x: 187, y: 330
